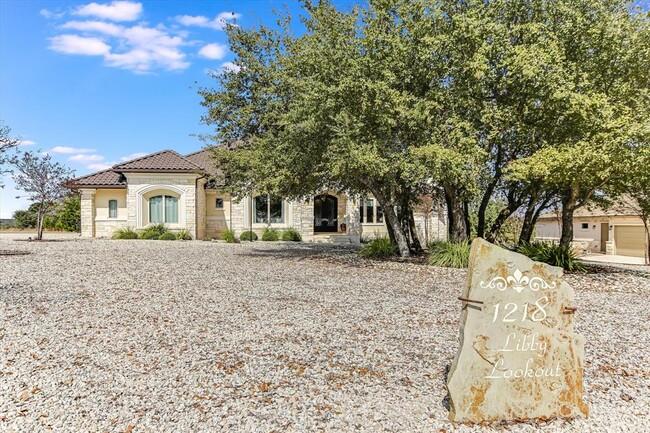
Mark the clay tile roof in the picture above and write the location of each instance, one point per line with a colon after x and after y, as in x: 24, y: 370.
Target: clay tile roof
x: 106, y: 178
x: 166, y: 160
x: 204, y: 159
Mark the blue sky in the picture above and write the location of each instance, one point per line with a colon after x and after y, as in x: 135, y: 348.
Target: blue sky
x: 94, y: 83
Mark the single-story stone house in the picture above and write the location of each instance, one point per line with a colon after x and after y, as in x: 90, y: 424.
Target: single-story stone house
x: 185, y: 192
x: 617, y: 230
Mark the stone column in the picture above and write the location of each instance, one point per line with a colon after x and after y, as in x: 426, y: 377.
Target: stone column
x: 201, y: 216
x: 352, y: 217
x: 88, y: 212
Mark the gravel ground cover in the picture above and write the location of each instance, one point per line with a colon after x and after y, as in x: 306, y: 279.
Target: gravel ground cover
x: 155, y: 336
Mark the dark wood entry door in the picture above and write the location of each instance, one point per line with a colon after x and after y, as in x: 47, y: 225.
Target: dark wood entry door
x: 326, y: 213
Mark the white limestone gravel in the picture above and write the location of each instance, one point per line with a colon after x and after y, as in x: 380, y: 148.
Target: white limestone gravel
x: 155, y: 336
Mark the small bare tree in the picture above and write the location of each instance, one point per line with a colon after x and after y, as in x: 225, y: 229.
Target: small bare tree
x: 44, y: 181
x: 6, y: 143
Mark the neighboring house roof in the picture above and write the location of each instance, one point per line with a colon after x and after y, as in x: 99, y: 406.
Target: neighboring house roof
x: 625, y: 206
x: 167, y: 161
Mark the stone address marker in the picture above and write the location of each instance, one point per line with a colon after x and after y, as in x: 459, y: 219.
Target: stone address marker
x: 519, y: 357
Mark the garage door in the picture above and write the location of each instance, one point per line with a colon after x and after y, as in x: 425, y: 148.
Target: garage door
x: 630, y: 240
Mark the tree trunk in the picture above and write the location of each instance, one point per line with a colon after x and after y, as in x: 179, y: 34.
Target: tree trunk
x: 647, y: 241
x: 457, y: 218
x: 528, y: 225
x: 569, y: 200
x: 513, y: 205
x: 415, y: 238
x: 393, y: 223
x: 39, y: 224
x: 485, y: 201
x: 398, y: 231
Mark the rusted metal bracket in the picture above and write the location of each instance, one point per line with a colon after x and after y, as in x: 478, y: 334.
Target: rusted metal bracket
x: 570, y: 310
x: 471, y: 301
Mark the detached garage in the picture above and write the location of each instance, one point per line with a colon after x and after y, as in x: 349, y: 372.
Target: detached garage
x: 629, y: 240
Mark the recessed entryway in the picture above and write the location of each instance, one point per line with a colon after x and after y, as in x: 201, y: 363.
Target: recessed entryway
x: 326, y: 213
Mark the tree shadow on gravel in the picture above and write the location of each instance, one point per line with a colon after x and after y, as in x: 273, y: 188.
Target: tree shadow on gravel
x: 301, y: 251
x: 603, y: 269
x: 446, y: 401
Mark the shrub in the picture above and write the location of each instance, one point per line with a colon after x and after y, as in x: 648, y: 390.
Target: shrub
x: 228, y: 236
x: 125, y: 233
x: 291, y: 235
x: 184, y: 235
x: 270, y: 234
x: 378, y: 248
x: 248, y: 236
x: 449, y: 254
x: 168, y: 236
x: 153, y: 232
x: 553, y: 254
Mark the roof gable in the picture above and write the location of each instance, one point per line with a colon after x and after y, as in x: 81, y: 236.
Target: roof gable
x: 166, y: 160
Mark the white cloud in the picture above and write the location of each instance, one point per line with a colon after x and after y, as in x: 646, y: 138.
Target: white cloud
x: 27, y: 143
x: 99, y: 166
x: 81, y: 157
x: 218, y: 23
x: 133, y: 156
x: 64, y: 149
x: 50, y: 15
x: 73, y: 44
x: 138, y: 48
x: 95, y: 26
x: 213, y: 51
x: 150, y: 48
x: 230, y: 67
x: 115, y: 11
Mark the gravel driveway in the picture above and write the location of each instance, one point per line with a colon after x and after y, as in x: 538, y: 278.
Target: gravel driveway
x: 154, y: 336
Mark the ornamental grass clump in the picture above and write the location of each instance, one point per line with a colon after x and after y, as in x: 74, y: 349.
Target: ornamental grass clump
x: 153, y: 232
x: 449, y: 254
x: 184, y: 235
x: 125, y: 233
x: 291, y: 235
x: 271, y: 234
x: 168, y: 236
x: 552, y: 254
x: 248, y: 236
x: 378, y: 248
x: 228, y: 236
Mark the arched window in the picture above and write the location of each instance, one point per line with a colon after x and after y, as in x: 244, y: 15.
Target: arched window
x: 268, y: 209
x: 112, y: 208
x: 163, y: 208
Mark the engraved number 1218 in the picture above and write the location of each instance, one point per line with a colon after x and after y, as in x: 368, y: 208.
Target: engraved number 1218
x: 510, y: 309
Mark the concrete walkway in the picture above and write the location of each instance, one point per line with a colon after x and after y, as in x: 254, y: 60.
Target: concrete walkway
x: 608, y: 258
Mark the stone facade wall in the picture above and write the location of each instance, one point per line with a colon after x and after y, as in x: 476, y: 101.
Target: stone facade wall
x: 88, y: 212
x: 183, y: 184
x: 352, y: 217
x: 431, y: 227
x: 105, y: 228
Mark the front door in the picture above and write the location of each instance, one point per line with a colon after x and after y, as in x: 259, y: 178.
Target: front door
x: 326, y: 213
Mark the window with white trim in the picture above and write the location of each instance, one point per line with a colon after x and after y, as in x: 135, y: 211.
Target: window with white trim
x: 112, y: 208
x: 268, y: 209
x: 370, y: 211
x: 163, y: 208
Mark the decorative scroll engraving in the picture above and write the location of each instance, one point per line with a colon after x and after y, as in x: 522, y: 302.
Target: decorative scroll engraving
x: 518, y: 282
